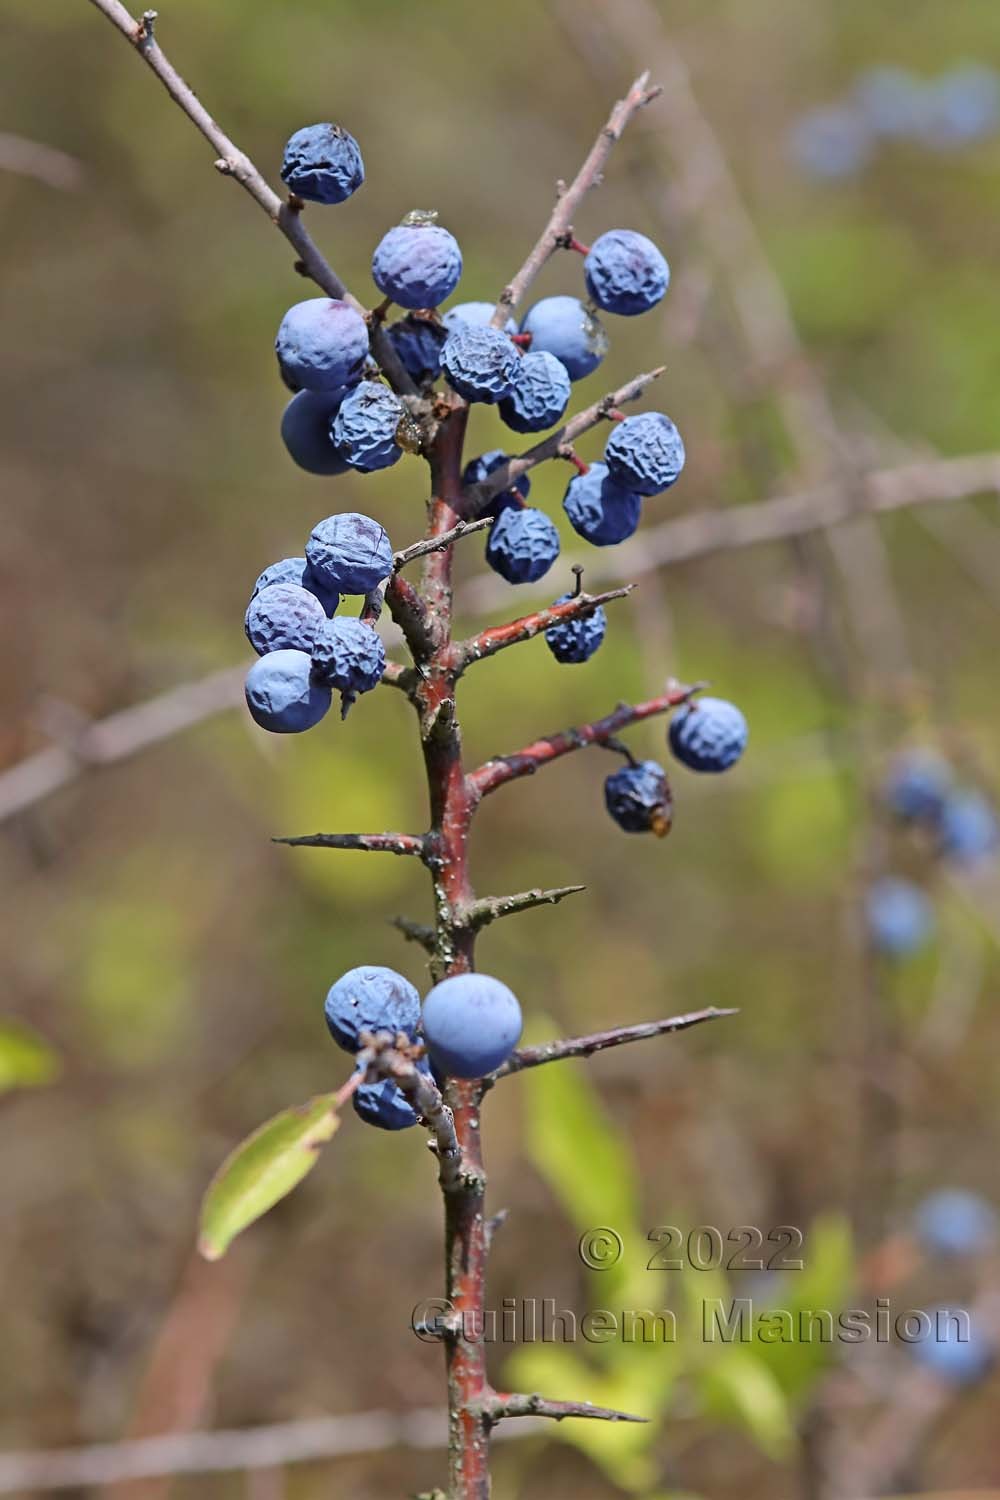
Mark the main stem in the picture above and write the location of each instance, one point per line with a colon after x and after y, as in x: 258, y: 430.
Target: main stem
x: 452, y: 802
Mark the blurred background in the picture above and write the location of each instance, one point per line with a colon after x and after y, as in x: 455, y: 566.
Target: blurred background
x: 834, y: 313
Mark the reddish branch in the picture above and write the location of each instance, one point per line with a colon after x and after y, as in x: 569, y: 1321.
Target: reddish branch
x: 526, y: 762
x: 499, y: 637
x: 558, y: 232
x: 600, y: 1041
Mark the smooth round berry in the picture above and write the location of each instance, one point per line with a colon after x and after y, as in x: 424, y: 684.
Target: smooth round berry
x: 348, y: 654
x: 480, y: 362
x: 645, y: 453
x: 600, y: 510
x: 625, y: 273
x: 639, y: 800
x: 350, y: 553
x: 956, y: 1354
x: 917, y: 786
x: 708, y: 734
x: 371, y: 998
x: 418, y: 343
x: 471, y: 1025
x: 305, y: 431
x: 564, y: 327
x: 576, y: 640
x: 523, y: 544
x: 283, y: 617
x: 417, y: 264
x: 474, y: 313
x: 322, y: 163
x: 968, y: 830
x: 899, y: 916
x: 955, y: 1222
x: 540, y: 393
x: 322, y: 345
x: 297, y: 570
x: 365, y: 426
x: 282, y: 695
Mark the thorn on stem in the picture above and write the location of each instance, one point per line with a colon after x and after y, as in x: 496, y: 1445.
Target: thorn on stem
x: 144, y: 34
x: 577, y: 571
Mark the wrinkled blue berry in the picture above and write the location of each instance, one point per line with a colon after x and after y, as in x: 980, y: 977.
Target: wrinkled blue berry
x: 348, y: 654
x: 283, y: 617
x: 282, y: 695
x: 480, y: 362
x: 474, y: 313
x: 564, y: 327
x: 417, y: 264
x: 471, y: 1025
x: 957, y: 1355
x: 625, y: 273
x: 384, y: 1104
x: 576, y: 640
x: 968, y: 830
x: 708, y: 734
x: 917, y: 785
x: 523, y: 544
x: 297, y: 570
x: 350, y: 553
x: 371, y: 998
x: 477, y: 470
x: 305, y: 430
x: 603, y: 512
x: 540, y: 393
x: 322, y: 164
x: 639, y: 800
x: 899, y: 917
x: 645, y: 453
x: 364, y: 429
x: 955, y: 1222
x: 418, y: 343
x: 322, y: 345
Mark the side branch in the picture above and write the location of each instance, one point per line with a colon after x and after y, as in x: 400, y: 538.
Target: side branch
x: 600, y: 1041
x: 369, y: 843
x: 491, y: 908
x: 498, y: 637
x: 439, y: 543
x: 555, y: 444
x: 232, y: 162
x: 497, y: 1407
x: 559, y: 230
x: 495, y: 773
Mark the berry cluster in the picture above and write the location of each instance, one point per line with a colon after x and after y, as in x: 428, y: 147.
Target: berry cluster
x: 705, y: 734
x: 962, y: 829
x: 469, y: 1026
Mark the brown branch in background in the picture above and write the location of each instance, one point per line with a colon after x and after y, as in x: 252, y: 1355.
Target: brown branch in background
x: 368, y: 843
x: 232, y: 162
x: 46, y: 164
x: 497, y: 772
x: 498, y: 637
x: 600, y: 1041
x: 558, y: 231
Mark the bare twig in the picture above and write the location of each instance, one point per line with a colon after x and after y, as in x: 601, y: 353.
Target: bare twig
x: 498, y: 637
x: 232, y: 162
x: 438, y: 543
x: 491, y: 908
x: 415, y: 932
x: 558, y: 231
x: 600, y: 1041
x: 369, y: 843
x: 42, y: 163
x: 498, y: 1407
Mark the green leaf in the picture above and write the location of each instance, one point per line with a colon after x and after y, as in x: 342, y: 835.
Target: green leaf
x: 741, y: 1387
x: 26, y: 1061
x: 262, y: 1170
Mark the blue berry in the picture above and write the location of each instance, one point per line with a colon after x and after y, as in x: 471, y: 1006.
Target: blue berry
x: 564, y: 327
x: 477, y: 470
x: 364, y: 429
x: 955, y: 1222
x: 601, y: 511
x: 645, y: 453
x: 282, y: 695
x: 350, y: 553
x: 371, y: 998
x: 297, y: 570
x: 348, y: 654
x: 305, y: 430
x: 283, y: 617
x: 540, y: 393
x: 917, y: 785
x: 625, y: 273
x: 417, y: 264
x: 480, y: 362
x: 968, y: 830
x: 523, y: 544
x: 900, y: 920
x: 708, y: 734
x: 576, y: 640
x: 890, y: 101
x: 322, y: 163
x: 957, y: 1356
x: 960, y: 108
x: 639, y: 800
x: 471, y: 1025
x: 474, y: 313
x: 832, y: 143
x: 384, y: 1104
x: 322, y: 345
x: 418, y: 343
